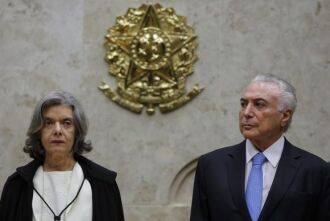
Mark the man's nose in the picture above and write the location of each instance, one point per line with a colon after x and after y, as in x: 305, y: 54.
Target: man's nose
x: 248, y: 110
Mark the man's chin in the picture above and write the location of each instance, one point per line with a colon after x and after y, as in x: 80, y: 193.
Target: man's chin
x: 248, y: 134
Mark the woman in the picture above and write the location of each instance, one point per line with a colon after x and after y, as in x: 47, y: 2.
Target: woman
x: 60, y: 184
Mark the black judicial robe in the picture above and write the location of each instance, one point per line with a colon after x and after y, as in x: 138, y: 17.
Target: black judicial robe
x: 16, y: 198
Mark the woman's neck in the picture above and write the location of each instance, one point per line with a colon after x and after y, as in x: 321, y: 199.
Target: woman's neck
x: 57, y: 163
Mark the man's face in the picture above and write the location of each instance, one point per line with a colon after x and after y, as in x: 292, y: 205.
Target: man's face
x: 259, y: 118
x: 58, y: 131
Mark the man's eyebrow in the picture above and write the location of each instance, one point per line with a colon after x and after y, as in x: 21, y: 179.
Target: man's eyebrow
x: 254, y: 100
x: 260, y: 99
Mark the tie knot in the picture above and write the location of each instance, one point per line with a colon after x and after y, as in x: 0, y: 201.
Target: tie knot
x: 258, y: 159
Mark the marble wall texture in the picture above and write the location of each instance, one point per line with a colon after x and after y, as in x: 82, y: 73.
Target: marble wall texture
x: 47, y: 45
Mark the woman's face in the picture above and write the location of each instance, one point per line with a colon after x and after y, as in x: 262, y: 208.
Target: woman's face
x: 58, y: 131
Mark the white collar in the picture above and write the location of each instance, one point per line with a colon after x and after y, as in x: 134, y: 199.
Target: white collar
x: 38, y: 206
x: 272, y: 153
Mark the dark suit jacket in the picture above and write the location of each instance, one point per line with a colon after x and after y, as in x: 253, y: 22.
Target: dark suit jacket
x: 300, y: 190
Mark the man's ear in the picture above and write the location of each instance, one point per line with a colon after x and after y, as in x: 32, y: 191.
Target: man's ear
x: 286, y: 116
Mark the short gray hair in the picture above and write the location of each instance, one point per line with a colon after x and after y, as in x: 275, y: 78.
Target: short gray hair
x: 287, y: 98
x: 33, y: 145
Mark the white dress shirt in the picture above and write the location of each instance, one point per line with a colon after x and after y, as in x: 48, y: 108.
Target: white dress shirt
x: 273, y: 155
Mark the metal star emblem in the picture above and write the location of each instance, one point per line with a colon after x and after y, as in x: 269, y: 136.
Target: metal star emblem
x: 150, y: 51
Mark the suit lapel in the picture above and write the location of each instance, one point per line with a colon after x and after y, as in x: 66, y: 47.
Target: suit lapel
x: 236, y: 178
x: 286, y: 171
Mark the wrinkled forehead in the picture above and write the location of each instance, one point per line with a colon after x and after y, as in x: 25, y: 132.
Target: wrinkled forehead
x: 263, y: 90
x: 58, y: 109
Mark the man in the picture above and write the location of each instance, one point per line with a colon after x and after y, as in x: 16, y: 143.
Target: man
x: 265, y: 177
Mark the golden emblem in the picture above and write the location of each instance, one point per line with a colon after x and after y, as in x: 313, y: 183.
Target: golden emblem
x: 151, y: 52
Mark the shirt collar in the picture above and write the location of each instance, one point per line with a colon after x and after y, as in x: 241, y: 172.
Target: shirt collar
x: 272, y: 153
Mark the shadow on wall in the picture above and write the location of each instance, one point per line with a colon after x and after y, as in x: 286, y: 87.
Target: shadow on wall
x: 181, y: 187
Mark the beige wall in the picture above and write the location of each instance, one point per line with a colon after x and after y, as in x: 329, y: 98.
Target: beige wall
x: 46, y: 45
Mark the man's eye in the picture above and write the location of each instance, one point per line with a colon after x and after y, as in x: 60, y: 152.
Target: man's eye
x: 260, y: 104
x: 243, y: 104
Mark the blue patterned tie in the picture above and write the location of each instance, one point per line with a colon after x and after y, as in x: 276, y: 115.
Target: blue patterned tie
x: 254, y: 187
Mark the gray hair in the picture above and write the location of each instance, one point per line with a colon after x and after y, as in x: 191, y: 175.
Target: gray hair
x: 287, y: 98
x: 33, y: 145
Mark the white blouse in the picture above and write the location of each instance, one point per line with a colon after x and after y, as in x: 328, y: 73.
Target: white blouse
x: 58, y: 189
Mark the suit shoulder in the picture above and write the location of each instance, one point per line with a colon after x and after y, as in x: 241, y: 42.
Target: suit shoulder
x: 309, y: 156
x: 309, y: 160
x: 223, y: 152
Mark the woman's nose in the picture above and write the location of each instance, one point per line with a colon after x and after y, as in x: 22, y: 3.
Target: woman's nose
x: 57, y: 127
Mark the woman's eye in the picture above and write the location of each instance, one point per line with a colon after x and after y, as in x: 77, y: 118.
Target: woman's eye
x: 48, y: 122
x: 67, y: 123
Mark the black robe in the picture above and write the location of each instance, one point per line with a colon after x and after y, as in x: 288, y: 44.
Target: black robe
x: 16, y: 198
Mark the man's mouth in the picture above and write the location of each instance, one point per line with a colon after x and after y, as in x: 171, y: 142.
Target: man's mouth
x: 248, y: 126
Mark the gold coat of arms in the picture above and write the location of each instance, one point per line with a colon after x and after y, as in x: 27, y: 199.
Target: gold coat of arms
x: 150, y: 51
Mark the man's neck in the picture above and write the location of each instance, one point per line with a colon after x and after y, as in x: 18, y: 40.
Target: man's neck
x: 263, y: 144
